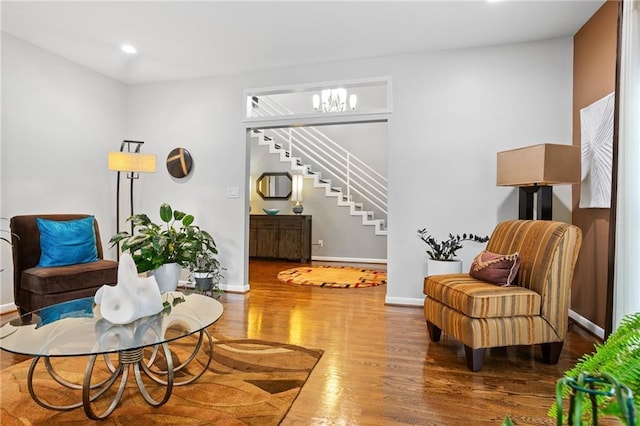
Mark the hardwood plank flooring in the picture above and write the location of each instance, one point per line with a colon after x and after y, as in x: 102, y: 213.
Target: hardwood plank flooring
x: 379, y: 367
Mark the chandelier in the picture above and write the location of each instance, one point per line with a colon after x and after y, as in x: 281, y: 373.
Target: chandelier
x: 334, y: 100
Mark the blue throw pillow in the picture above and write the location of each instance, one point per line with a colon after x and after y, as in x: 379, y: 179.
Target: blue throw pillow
x: 68, y: 242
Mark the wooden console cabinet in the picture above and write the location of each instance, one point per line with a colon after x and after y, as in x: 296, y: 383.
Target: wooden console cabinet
x: 280, y: 237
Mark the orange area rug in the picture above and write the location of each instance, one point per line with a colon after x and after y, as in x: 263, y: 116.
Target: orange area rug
x: 334, y: 276
x: 249, y: 382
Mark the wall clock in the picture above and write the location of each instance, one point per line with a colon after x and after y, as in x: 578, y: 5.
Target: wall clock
x: 179, y: 162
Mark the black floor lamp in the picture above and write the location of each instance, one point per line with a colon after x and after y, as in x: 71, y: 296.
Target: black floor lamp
x: 534, y: 170
x: 129, y: 160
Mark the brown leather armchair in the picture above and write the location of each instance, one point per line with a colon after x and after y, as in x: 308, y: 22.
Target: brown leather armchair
x: 36, y: 287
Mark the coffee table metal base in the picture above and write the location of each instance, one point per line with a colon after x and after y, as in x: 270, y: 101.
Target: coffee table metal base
x: 128, y: 358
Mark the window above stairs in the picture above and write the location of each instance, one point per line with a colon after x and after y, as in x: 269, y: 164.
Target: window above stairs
x: 331, y: 98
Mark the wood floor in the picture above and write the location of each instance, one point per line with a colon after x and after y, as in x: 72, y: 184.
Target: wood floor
x: 378, y: 367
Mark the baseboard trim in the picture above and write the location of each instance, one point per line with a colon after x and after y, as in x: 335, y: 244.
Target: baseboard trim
x: 592, y: 328
x: 230, y: 288
x: 235, y: 288
x: 404, y: 301
x: 347, y: 259
x: 8, y: 307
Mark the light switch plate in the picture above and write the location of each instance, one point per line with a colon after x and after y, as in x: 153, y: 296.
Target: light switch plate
x: 233, y: 192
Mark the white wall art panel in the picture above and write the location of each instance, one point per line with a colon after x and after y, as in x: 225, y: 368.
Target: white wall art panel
x: 596, y: 129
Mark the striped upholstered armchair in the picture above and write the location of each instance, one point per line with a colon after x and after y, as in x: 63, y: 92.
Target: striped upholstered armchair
x: 533, y: 310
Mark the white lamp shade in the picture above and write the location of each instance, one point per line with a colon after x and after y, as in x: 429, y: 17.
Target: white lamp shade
x: 353, y: 101
x: 326, y: 94
x: 296, y: 188
x: 132, y: 162
x: 342, y: 96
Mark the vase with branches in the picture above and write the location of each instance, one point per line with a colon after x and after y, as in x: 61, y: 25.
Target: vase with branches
x: 445, y: 250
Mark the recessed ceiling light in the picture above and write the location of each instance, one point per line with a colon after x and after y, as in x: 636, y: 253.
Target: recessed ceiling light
x: 127, y: 48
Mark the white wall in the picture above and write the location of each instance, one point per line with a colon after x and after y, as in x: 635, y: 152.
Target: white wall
x: 452, y: 111
x: 202, y: 116
x: 59, y: 120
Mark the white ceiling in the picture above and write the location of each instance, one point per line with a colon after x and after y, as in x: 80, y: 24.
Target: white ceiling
x: 189, y: 39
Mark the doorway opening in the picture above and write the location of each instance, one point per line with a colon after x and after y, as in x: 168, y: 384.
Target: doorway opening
x: 337, y: 235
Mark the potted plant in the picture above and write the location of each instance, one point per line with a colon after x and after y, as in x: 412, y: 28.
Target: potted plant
x: 164, y: 249
x: 207, y: 273
x: 204, y: 265
x: 442, y: 253
x: 608, y: 379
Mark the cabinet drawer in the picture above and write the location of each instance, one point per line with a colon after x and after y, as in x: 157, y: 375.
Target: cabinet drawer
x: 290, y: 224
x: 264, y: 223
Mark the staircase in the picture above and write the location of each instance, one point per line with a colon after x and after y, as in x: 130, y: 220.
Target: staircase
x: 312, y: 154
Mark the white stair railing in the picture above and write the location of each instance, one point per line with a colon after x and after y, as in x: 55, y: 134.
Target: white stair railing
x: 311, y: 145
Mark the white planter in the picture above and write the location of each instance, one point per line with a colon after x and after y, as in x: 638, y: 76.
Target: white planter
x: 438, y: 267
x: 167, y: 276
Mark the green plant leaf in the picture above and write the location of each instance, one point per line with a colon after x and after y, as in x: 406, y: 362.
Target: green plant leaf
x: 187, y: 220
x: 166, y: 213
x: 178, y: 300
x: 178, y: 215
x: 140, y: 220
x: 507, y: 422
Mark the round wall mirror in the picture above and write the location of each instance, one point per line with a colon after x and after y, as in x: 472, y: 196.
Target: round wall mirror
x: 179, y: 162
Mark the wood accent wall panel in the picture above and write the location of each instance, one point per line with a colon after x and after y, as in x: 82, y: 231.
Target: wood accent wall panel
x: 594, y: 72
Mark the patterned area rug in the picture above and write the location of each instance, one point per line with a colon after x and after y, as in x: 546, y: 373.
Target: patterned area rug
x: 249, y: 382
x: 334, y: 276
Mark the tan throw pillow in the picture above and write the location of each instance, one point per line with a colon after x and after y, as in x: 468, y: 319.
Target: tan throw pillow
x: 500, y: 269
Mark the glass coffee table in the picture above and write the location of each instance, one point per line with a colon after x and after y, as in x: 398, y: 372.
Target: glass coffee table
x: 76, y: 328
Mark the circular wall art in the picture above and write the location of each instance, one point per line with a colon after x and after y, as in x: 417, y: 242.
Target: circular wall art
x: 179, y: 162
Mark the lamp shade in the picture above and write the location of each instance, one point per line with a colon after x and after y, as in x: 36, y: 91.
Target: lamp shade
x: 297, y: 186
x: 542, y: 165
x: 132, y: 162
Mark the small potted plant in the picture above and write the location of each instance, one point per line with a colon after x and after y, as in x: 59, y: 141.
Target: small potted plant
x: 442, y: 253
x: 207, y: 273
x: 203, y: 263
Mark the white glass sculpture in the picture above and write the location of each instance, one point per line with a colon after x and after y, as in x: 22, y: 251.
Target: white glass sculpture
x: 131, y: 298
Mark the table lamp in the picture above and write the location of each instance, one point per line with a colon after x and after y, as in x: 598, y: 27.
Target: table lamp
x: 296, y: 193
x: 534, y: 170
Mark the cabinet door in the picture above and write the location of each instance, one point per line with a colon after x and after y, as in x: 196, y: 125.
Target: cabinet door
x: 289, y: 244
x: 290, y: 238
x: 253, y: 241
x: 267, y: 244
